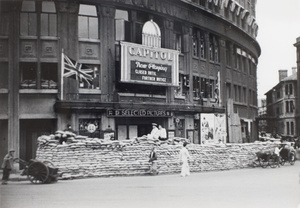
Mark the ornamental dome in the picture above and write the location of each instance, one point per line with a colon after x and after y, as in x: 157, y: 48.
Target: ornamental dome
x: 151, y: 34
x: 151, y: 28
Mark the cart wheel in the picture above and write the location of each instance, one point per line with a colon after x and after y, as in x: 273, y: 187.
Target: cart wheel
x: 282, y: 161
x: 272, y: 161
x: 263, y: 163
x: 292, y: 159
x: 38, y: 172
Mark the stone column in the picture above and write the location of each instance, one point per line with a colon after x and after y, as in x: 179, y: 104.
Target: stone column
x: 107, y: 51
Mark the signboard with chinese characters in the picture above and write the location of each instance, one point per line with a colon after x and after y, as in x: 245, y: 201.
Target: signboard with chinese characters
x: 142, y: 64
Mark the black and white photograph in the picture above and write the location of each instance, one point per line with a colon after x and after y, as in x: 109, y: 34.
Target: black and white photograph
x: 149, y: 103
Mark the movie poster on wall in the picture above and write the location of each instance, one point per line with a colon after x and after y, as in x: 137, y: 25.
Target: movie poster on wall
x: 213, y: 128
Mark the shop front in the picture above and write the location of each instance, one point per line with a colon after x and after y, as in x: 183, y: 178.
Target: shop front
x: 131, y: 123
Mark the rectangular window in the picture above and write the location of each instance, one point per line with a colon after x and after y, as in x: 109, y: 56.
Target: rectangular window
x: 287, y: 106
x: 122, y: 25
x: 48, y: 19
x: 88, y: 26
x: 287, y: 128
x: 195, y: 45
x: 4, y: 75
x: 49, y: 75
x: 28, y: 24
x: 291, y: 106
x: 286, y: 89
x: 292, y: 128
x: 291, y: 89
x: 178, y: 42
x: 48, y: 25
x: 216, y: 50
x: 228, y: 89
x: 211, y: 49
x: 28, y: 74
x: 202, y: 46
x: 196, y: 87
x: 4, y: 26
x: 93, y: 72
x: 202, y: 2
x: 228, y: 54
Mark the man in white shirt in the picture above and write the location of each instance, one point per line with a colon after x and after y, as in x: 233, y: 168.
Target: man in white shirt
x: 154, y: 133
x: 162, y: 133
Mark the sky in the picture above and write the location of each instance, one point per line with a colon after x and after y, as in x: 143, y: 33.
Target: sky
x: 279, y: 26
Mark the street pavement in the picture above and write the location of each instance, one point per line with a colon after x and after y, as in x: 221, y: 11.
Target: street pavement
x: 246, y: 188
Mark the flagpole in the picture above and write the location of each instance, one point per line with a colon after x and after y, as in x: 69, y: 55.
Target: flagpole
x: 62, y: 75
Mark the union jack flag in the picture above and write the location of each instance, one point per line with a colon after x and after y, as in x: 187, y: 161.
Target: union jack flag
x: 75, y: 70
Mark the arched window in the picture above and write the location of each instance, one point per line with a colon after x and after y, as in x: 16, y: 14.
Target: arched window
x: 88, y: 22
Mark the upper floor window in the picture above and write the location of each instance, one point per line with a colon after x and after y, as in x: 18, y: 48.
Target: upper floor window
x: 48, y: 19
x: 33, y: 12
x: 202, y: 46
x: 195, y: 44
x: 228, y: 54
x: 213, y: 49
x: 92, y: 76
x: 199, y: 44
x: 88, y: 22
x: 4, y: 24
x: 28, y: 19
x: 291, y: 89
x: 122, y: 25
x: 178, y: 37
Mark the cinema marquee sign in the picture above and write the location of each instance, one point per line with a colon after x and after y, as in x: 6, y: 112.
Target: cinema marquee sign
x: 142, y: 64
x: 137, y: 113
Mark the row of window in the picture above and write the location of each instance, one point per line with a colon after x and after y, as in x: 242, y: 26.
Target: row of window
x: 45, y: 75
x: 240, y: 60
x: 289, y: 89
x: 235, y: 15
x: 240, y: 94
x: 44, y: 13
x: 48, y: 76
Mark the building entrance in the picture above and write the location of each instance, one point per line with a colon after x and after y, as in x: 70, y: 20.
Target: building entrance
x: 128, y: 128
x: 30, y: 130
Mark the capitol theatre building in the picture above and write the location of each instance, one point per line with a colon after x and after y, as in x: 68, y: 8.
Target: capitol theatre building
x: 118, y: 66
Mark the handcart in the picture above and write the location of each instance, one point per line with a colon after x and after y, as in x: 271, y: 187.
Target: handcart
x: 39, y: 172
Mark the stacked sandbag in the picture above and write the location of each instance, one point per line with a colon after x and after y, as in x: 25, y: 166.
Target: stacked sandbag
x: 81, y: 156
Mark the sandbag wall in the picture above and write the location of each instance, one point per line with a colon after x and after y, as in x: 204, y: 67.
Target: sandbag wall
x: 91, y: 157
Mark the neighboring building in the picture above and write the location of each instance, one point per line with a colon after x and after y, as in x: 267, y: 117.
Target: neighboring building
x: 172, y: 62
x: 281, y: 102
x: 262, y: 114
x: 297, y: 45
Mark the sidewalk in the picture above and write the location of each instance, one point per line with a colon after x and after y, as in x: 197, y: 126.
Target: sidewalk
x: 15, y: 176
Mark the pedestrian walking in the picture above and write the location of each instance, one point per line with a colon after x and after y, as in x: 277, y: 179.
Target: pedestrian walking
x: 184, y: 157
x: 7, y: 166
x: 153, y: 161
x: 277, y: 154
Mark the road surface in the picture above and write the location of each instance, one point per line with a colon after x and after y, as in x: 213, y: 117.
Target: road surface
x: 246, y: 188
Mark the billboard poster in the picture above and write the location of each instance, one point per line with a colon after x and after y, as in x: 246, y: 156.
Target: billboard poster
x: 213, y: 128
x: 141, y: 64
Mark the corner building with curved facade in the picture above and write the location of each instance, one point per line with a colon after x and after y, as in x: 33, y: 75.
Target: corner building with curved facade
x: 119, y: 65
